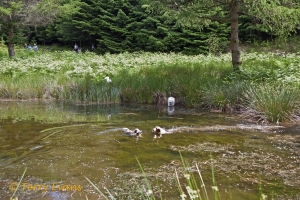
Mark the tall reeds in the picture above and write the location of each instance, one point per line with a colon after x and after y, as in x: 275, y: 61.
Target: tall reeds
x: 195, y: 81
x: 276, y: 103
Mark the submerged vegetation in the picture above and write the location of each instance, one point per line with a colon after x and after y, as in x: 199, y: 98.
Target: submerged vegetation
x: 266, y: 87
x: 245, y: 162
x: 189, y: 181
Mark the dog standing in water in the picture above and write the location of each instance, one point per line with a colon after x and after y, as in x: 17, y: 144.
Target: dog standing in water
x: 133, y: 133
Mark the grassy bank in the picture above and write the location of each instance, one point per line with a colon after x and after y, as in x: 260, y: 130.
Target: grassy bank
x: 266, y: 88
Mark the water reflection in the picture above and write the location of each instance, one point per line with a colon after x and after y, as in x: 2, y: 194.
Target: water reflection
x: 171, y: 110
x: 61, y: 143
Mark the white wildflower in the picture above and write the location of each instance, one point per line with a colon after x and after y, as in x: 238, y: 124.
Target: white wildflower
x: 215, y: 188
x: 187, y: 176
x: 149, y: 192
x: 183, y: 196
x: 192, y: 193
x: 263, y: 196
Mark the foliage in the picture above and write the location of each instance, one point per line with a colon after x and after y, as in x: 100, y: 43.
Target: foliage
x: 275, y: 102
x: 126, y: 27
x: 262, y: 68
x: 15, y: 14
x: 204, y: 81
x: 224, y: 96
x: 131, y: 26
x: 267, y: 16
x: 201, y: 13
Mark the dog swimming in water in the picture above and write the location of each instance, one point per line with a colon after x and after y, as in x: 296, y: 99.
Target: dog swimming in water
x: 158, y: 131
x: 133, y: 133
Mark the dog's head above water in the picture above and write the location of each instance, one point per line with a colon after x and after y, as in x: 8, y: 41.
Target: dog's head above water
x: 137, y: 131
x: 157, y: 131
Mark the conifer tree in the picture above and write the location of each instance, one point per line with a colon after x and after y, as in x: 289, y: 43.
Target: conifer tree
x: 112, y: 23
x: 75, y: 25
x: 278, y: 16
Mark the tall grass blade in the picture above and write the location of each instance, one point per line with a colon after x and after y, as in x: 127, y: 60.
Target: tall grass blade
x: 61, y: 127
x: 110, y: 195
x: 214, y: 187
x: 192, y: 188
x: 160, y: 194
x: 202, y: 185
x: 182, y: 194
x: 52, y: 134
x: 96, y: 188
x: 149, y: 192
x: 11, y: 198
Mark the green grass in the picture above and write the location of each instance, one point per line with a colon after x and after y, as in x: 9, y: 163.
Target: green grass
x: 225, y: 97
x: 184, y: 81
x: 276, y: 103
x: 278, y: 45
x: 149, y: 78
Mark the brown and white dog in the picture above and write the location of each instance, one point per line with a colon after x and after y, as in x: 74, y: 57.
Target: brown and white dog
x: 158, y: 131
x: 133, y: 133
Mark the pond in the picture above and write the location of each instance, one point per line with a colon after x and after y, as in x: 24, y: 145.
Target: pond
x: 61, y: 144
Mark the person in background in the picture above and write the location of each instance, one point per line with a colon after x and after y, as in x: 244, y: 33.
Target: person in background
x: 25, y: 46
x: 93, y: 47
x: 29, y: 47
x: 76, y: 47
x: 35, y: 47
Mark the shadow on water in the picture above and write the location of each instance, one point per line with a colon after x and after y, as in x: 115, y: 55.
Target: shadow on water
x: 61, y: 144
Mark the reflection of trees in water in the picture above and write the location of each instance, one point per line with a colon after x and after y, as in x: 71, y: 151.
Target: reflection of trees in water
x: 56, y: 111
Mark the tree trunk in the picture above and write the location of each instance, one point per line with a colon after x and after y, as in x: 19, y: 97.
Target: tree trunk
x: 11, y: 49
x: 234, y: 39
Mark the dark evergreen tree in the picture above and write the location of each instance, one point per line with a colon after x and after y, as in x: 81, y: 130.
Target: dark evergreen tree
x: 113, y: 20
x: 123, y: 25
x: 75, y: 25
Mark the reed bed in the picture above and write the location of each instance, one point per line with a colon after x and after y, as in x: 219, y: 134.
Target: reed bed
x: 202, y: 81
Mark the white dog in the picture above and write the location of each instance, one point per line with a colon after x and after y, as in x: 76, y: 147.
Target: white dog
x: 158, y: 131
x: 171, y: 101
x: 133, y: 133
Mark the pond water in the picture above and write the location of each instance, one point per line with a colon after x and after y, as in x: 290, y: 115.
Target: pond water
x: 59, y: 144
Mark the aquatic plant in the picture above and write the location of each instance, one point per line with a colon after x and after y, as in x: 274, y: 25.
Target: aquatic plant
x: 224, y: 96
x: 99, y: 191
x: 274, y: 103
x: 191, y: 188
